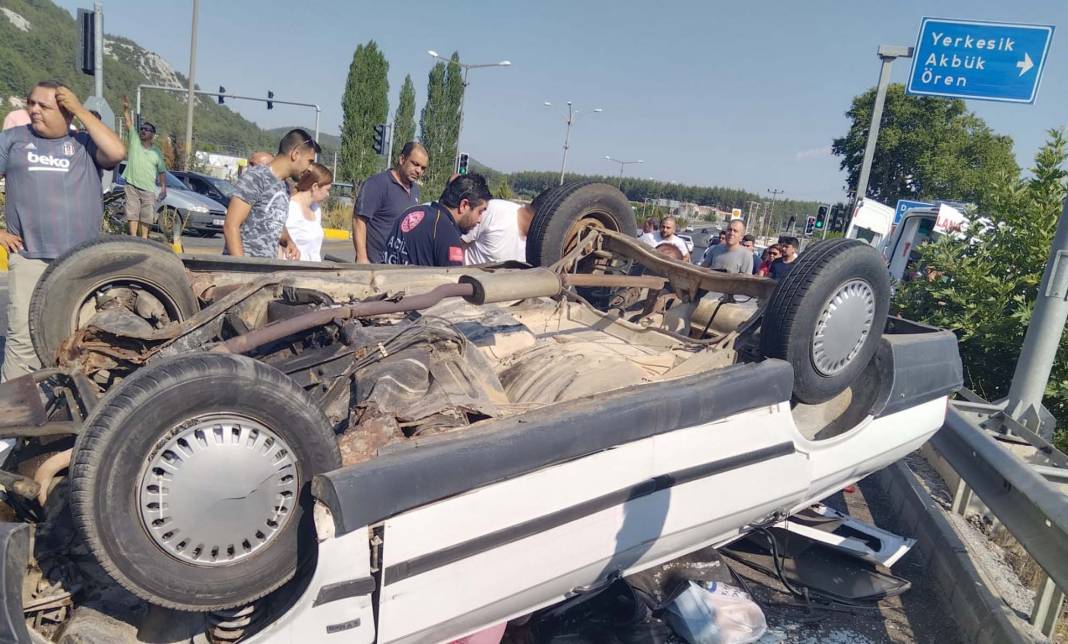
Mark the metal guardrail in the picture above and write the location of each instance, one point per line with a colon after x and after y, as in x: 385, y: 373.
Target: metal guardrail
x: 1018, y: 493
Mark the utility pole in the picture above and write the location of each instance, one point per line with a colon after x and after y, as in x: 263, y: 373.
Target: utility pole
x: 572, y: 115
x: 887, y: 54
x: 774, y: 193
x: 191, y: 100
x: 98, y: 50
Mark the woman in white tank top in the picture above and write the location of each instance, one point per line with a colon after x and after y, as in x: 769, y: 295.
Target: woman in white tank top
x: 305, y: 218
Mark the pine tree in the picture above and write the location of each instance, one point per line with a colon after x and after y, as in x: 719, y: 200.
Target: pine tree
x: 440, y: 122
x: 364, y: 105
x: 404, y: 120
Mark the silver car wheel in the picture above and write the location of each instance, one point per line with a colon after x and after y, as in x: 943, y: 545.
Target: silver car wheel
x: 218, y: 489
x: 842, y: 326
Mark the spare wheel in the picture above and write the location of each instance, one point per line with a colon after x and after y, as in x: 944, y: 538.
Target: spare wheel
x: 190, y: 481
x: 71, y: 288
x: 565, y: 211
x: 827, y: 315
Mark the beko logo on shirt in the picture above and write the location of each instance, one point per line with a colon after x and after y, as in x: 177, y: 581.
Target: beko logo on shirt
x: 47, y: 162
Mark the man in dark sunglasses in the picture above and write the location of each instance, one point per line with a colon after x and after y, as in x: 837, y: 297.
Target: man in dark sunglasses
x: 145, y: 168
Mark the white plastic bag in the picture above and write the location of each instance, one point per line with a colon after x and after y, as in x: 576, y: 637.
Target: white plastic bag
x: 718, y: 614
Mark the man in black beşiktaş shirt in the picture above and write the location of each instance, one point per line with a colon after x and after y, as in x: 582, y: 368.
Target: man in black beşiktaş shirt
x: 429, y: 235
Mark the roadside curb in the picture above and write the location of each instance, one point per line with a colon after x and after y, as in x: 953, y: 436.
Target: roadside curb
x: 979, y: 613
x: 336, y: 234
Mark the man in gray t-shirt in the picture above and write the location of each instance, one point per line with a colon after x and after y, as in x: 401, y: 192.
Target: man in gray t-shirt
x: 256, y: 217
x: 730, y: 256
x: 53, y: 200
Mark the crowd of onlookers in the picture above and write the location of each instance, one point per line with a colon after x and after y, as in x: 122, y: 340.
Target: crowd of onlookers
x: 731, y: 251
x: 53, y: 181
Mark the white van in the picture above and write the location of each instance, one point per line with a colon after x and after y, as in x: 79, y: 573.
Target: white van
x: 917, y: 226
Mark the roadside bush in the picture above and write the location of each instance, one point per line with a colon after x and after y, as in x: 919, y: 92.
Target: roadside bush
x: 983, y: 284
x: 337, y: 216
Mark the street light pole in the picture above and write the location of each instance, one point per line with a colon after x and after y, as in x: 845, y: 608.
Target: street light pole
x: 191, y: 97
x: 887, y: 54
x: 572, y: 116
x: 621, y: 165
x: 467, y: 68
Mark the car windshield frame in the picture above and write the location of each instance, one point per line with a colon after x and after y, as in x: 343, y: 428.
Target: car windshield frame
x: 222, y: 185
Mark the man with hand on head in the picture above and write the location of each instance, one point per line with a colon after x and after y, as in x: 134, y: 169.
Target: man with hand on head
x: 381, y: 201
x: 429, y: 234
x: 53, y: 200
x: 256, y: 218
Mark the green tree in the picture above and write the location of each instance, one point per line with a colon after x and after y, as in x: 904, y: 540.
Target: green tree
x: 983, y: 284
x: 503, y: 190
x: 929, y: 148
x: 439, y: 123
x: 404, y: 119
x: 364, y: 104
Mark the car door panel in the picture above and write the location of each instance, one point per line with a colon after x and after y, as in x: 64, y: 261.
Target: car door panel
x: 479, y: 558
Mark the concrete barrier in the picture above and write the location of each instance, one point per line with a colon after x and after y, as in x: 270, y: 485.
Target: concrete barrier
x: 980, y: 614
x: 336, y: 234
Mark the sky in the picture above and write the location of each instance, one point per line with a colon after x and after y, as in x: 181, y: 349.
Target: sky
x: 740, y: 94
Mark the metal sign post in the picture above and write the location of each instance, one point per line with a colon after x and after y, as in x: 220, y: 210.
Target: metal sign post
x: 989, y: 61
x: 1042, y: 339
x: 887, y: 54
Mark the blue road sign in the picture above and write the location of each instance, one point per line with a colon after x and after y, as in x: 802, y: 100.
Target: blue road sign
x: 905, y: 204
x: 984, y: 60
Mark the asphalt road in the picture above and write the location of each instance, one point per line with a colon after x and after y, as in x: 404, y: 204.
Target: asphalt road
x: 214, y: 245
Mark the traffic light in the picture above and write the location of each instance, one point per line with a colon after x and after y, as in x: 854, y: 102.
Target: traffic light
x: 838, y: 219
x: 810, y: 223
x: 378, y: 143
x: 461, y: 165
x: 222, y: 90
x: 790, y: 224
x: 87, y: 41
x: 270, y: 95
x: 821, y: 217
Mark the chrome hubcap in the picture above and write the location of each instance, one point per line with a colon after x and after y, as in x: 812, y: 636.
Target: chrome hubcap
x: 217, y: 490
x: 842, y: 327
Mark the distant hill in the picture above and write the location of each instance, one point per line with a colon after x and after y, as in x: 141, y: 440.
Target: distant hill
x: 50, y: 33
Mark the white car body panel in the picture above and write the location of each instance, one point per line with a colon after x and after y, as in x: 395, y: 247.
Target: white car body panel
x: 504, y: 564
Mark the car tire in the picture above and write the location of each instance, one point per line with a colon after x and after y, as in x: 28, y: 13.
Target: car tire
x: 239, y: 419
x: 70, y: 280
x: 165, y: 220
x: 826, y: 317
x: 566, y: 209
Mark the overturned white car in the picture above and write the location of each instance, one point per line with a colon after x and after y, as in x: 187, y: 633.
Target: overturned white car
x: 287, y: 452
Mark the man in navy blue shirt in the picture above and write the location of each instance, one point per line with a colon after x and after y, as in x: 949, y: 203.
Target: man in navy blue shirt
x: 429, y: 235
x: 381, y: 201
x: 783, y: 265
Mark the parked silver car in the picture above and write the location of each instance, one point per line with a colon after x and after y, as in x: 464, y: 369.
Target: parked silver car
x: 195, y: 213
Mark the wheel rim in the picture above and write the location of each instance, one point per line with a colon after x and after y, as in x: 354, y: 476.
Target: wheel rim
x: 843, y: 326
x: 218, y: 489
x: 84, y: 313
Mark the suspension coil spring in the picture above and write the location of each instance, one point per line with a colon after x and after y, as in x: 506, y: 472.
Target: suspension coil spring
x: 231, y: 625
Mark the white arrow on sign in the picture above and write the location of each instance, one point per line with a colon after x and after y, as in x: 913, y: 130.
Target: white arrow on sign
x: 1025, y: 64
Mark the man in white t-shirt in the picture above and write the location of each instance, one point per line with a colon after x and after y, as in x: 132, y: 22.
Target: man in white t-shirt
x: 501, y: 235
x: 648, y: 234
x: 667, y: 236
